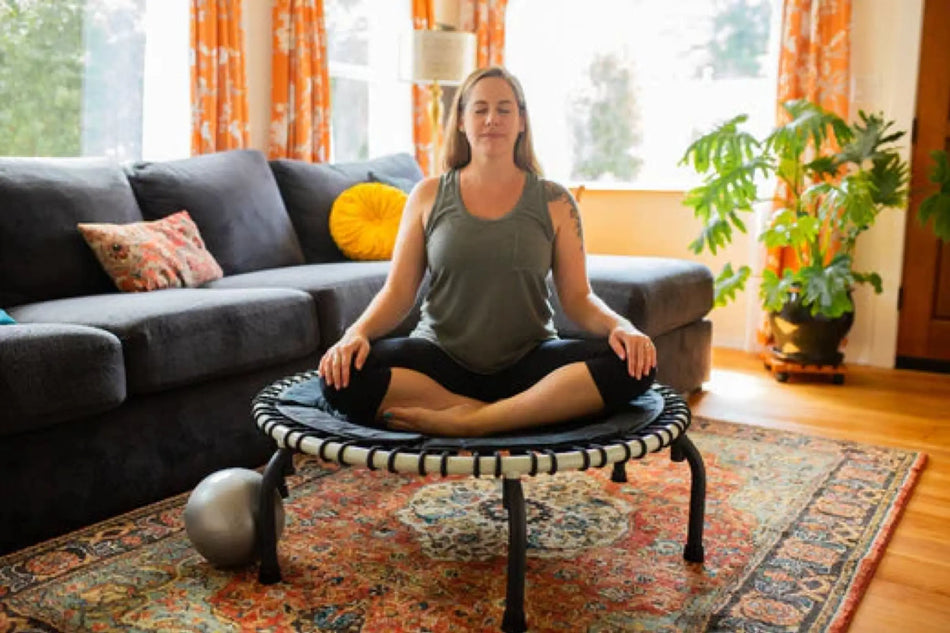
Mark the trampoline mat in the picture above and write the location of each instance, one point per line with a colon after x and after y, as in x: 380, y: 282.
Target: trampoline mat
x: 305, y: 404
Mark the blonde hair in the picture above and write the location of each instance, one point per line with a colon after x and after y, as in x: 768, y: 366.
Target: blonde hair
x: 457, y: 152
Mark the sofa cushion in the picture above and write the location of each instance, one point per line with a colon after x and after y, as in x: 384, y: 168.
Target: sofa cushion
x: 309, y: 190
x: 53, y: 372
x: 42, y: 255
x: 183, y: 335
x: 232, y: 197
x: 403, y: 184
x: 655, y: 293
x: 341, y: 291
x: 400, y: 166
x: 152, y: 255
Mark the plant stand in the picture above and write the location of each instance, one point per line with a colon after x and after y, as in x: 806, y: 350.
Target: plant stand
x: 782, y: 369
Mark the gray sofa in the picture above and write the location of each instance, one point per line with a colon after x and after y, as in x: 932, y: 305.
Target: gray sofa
x: 111, y: 400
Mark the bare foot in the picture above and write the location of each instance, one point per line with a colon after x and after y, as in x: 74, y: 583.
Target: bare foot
x: 460, y: 420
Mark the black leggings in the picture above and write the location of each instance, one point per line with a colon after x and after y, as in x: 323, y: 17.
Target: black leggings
x: 360, y: 400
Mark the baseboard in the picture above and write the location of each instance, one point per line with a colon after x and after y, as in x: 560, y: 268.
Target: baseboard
x: 923, y: 364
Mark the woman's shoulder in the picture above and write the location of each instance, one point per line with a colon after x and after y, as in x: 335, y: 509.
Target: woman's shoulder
x: 426, y: 188
x: 424, y: 195
x: 554, y: 191
x: 432, y: 181
x: 561, y: 205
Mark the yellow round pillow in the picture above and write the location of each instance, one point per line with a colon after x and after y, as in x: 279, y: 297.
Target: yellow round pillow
x: 365, y: 218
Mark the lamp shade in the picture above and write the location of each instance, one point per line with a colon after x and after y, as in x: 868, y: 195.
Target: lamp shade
x: 446, y: 57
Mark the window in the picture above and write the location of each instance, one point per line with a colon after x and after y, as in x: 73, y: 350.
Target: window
x: 371, y: 107
x: 632, y: 82
x: 73, y: 78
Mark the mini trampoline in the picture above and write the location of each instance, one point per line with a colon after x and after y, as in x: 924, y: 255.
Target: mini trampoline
x: 295, y: 415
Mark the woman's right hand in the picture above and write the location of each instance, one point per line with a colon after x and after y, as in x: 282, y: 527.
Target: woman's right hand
x: 348, y: 353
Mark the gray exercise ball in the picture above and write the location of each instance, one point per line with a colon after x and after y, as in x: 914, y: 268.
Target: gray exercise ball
x: 221, y: 516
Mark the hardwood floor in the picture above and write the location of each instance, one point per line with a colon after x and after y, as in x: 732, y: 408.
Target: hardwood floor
x: 910, y: 590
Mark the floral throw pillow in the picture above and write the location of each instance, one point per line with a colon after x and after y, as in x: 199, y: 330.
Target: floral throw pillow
x: 142, y: 256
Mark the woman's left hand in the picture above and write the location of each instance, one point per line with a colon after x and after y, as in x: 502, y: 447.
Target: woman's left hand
x: 636, y: 348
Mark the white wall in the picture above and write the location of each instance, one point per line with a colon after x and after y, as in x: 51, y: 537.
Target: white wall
x: 257, y: 31
x: 884, y: 62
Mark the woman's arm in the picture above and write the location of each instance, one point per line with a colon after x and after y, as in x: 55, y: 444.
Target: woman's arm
x: 397, y: 296
x: 580, y: 303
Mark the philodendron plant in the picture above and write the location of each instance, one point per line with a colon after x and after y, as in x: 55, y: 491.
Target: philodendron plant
x: 834, y: 179
x: 937, y: 204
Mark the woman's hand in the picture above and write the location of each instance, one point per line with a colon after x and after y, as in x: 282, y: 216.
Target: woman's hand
x: 349, y: 352
x: 635, y: 347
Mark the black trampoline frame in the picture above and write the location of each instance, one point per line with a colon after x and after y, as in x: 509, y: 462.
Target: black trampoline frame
x: 668, y: 430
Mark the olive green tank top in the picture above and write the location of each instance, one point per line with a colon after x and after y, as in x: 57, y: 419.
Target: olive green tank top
x: 488, y: 303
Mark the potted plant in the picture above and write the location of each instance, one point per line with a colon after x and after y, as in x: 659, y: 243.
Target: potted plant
x: 833, y: 178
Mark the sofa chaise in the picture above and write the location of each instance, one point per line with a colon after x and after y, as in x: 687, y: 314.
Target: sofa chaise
x: 110, y: 400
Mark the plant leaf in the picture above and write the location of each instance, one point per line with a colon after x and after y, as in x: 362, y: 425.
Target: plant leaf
x: 889, y: 176
x: 940, y: 172
x: 701, y: 151
x: 825, y: 289
x: 870, y: 135
x: 715, y: 233
x: 787, y: 228
x: 729, y: 282
x: 823, y: 166
x: 870, y: 278
x: 774, y: 290
x: 729, y: 159
x: 810, y: 125
x: 937, y: 205
x: 855, y: 196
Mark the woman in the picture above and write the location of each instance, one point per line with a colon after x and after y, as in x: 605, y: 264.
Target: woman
x: 485, y: 357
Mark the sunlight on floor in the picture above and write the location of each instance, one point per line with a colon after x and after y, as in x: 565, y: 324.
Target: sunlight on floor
x: 734, y: 385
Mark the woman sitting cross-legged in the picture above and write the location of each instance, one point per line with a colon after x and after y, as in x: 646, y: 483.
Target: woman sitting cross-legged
x: 485, y: 357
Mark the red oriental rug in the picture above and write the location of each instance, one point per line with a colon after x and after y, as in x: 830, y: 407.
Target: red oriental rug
x: 794, y: 528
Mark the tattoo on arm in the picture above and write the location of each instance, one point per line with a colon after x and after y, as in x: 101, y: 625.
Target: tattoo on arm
x: 554, y: 192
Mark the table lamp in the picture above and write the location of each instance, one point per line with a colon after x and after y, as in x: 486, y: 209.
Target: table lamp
x: 438, y: 57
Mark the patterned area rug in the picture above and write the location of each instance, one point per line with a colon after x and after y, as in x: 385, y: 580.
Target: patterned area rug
x: 794, y: 528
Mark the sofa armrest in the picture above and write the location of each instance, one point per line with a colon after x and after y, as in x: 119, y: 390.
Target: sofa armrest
x: 53, y: 372
x: 656, y: 294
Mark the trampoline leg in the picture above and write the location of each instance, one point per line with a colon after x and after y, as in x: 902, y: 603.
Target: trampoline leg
x: 682, y: 449
x: 513, y: 500
x: 619, y: 474
x: 279, y: 465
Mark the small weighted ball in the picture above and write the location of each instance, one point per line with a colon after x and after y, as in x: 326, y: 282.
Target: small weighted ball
x: 221, y: 516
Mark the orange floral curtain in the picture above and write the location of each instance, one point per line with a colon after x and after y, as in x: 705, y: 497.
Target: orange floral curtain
x: 423, y: 17
x: 814, y: 64
x: 218, y: 80
x: 300, y: 82
x: 486, y: 18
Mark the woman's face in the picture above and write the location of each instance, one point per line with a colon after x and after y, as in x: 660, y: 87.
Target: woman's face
x: 491, y: 120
